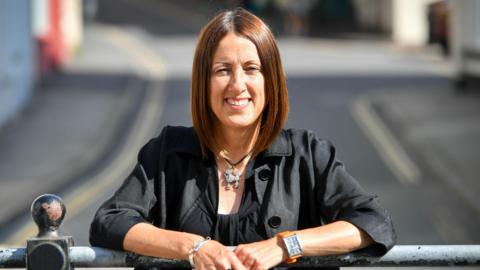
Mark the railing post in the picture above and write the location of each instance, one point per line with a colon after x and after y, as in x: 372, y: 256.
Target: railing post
x: 48, y: 250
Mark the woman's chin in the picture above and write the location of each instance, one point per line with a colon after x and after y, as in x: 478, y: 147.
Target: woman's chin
x: 239, y: 124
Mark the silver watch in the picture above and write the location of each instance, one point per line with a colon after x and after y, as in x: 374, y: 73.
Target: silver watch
x: 292, y: 245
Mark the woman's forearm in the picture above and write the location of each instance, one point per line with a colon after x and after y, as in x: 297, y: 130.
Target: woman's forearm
x: 334, y: 238
x: 149, y: 240
x: 146, y: 239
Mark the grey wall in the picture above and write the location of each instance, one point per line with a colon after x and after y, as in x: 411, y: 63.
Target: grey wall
x: 17, y: 57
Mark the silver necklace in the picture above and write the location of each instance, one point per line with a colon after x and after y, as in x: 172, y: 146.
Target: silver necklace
x: 232, y: 177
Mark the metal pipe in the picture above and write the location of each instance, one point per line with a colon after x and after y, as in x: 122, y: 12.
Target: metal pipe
x: 100, y: 257
x: 399, y: 256
x: 13, y: 257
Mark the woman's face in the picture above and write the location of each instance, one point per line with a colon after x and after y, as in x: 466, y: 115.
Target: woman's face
x: 237, y: 89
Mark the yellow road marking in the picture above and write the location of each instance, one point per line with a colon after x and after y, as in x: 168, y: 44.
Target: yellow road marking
x: 389, y: 149
x: 150, y: 65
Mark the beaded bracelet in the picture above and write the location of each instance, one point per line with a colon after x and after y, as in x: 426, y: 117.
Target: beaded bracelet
x: 195, y: 249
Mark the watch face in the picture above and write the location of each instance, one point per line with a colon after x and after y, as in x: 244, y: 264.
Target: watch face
x: 293, y: 245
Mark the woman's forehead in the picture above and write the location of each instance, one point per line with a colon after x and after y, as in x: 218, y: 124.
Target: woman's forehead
x: 235, y: 47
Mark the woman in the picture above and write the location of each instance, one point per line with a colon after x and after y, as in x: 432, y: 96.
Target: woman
x: 237, y: 177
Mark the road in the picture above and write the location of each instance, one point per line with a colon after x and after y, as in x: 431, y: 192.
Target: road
x: 326, y: 80
x: 324, y: 104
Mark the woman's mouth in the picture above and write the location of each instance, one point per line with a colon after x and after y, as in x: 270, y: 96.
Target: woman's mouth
x: 238, y: 102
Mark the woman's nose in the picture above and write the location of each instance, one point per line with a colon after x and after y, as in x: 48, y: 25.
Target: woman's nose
x: 238, y: 81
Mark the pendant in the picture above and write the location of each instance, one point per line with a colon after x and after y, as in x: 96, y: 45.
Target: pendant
x: 231, y: 177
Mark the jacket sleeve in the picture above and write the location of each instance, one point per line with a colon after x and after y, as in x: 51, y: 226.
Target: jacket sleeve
x: 132, y: 203
x: 342, y: 198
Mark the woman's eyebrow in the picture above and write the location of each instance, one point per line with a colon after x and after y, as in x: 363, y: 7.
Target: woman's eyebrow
x: 253, y: 61
x: 226, y: 62
x: 221, y: 63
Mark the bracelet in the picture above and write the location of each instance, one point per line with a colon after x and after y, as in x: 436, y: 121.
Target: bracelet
x: 195, y: 249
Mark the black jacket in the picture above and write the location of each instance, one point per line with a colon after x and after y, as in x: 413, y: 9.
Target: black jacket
x: 298, y: 180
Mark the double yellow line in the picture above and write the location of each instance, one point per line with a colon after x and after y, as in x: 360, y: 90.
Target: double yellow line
x: 388, y: 147
x: 150, y: 66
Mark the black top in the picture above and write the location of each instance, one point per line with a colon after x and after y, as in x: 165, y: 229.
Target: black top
x: 232, y: 229
x: 297, y: 183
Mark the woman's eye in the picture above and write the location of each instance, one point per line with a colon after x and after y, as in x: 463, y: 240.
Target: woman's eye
x: 252, y: 69
x: 222, y: 71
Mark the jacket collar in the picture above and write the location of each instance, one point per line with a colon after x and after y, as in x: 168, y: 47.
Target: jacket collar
x: 183, y: 140
x: 281, y: 146
x: 190, y: 144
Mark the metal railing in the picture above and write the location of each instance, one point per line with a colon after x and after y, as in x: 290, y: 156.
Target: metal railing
x: 53, y: 252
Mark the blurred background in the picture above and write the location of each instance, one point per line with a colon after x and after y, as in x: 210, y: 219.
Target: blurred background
x: 392, y: 83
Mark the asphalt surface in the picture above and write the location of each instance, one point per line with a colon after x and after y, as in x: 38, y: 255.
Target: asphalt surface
x: 71, y: 128
x: 440, y: 126
x: 80, y: 121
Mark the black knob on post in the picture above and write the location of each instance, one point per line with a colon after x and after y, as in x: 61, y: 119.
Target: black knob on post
x: 48, y: 211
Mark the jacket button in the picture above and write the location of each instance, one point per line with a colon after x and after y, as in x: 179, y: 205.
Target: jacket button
x: 264, y: 175
x: 274, y: 222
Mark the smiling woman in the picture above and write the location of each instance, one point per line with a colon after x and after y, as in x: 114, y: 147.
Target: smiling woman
x: 237, y: 94
x: 237, y: 178
x: 258, y: 56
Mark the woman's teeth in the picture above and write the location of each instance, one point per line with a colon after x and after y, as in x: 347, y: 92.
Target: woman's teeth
x: 237, y: 102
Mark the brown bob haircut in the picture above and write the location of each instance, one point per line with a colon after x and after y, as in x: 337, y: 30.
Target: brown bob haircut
x: 244, y: 24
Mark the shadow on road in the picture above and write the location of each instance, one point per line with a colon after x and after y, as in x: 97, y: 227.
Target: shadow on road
x: 70, y: 129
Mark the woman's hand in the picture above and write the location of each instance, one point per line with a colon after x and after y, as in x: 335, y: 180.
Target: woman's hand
x: 261, y: 255
x: 214, y: 255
